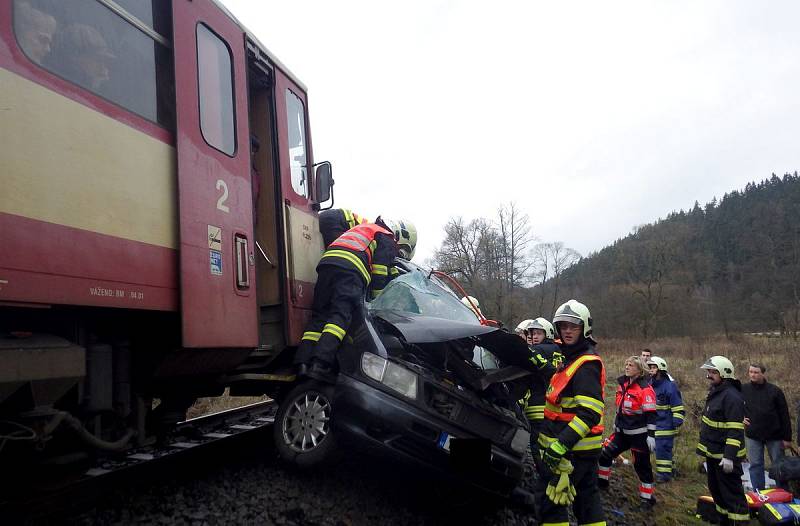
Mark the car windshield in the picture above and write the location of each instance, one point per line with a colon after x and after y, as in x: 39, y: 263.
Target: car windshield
x: 416, y: 293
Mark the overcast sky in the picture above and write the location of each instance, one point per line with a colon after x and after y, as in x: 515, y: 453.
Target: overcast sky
x: 593, y: 116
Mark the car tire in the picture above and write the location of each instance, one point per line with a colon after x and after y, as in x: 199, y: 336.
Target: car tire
x: 303, y: 432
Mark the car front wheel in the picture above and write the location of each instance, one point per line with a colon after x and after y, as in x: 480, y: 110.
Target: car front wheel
x: 303, y: 425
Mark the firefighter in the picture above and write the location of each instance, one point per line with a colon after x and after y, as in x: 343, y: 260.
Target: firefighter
x: 336, y: 221
x: 345, y: 271
x: 572, y: 434
x: 406, y: 235
x: 521, y: 331
x: 546, y: 357
x: 670, y: 410
x: 722, y: 440
x: 634, y: 428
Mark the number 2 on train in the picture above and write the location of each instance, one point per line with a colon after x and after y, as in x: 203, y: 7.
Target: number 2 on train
x: 224, y: 197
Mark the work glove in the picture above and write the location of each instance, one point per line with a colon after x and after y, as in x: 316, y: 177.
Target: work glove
x: 651, y: 443
x: 553, y: 454
x: 560, y: 489
x: 727, y: 465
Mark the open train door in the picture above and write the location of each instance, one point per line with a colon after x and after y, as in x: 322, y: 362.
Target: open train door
x: 218, y: 300
x: 301, y: 222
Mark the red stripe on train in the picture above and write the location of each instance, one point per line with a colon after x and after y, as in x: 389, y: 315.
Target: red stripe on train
x: 55, y: 264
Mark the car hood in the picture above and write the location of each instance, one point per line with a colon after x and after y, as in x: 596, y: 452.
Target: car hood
x: 426, y: 329
x: 509, y: 348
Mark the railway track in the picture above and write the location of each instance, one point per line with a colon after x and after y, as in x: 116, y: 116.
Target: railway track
x: 57, y: 490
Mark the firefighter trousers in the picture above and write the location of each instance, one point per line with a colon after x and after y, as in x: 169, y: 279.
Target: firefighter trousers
x: 588, y: 507
x: 664, y: 467
x: 726, y: 489
x: 536, y: 427
x: 620, y: 443
x: 337, y: 295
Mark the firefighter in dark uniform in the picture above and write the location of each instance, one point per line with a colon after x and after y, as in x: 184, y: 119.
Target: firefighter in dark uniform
x: 405, y: 233
x: 572, y: 435
x: 722, y: 440
x: 634, y: 428
x: 546, y: 357
x: 336, y: 221
x: 344, y: 273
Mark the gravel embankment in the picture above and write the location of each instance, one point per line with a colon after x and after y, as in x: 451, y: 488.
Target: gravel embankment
x: 247, y: 487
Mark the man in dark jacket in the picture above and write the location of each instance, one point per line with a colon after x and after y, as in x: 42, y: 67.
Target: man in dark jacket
x: 766, y: 422
x: 721, y: 441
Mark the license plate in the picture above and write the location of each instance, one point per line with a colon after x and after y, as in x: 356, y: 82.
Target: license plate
x: 444, y: 441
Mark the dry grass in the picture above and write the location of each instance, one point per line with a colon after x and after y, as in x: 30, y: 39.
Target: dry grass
x: 684, y: 357
x: 204, y: 406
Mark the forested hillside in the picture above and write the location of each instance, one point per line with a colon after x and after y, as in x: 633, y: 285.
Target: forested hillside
x: 730, y: 266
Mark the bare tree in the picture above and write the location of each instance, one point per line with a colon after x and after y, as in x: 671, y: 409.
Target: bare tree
x: 646, y: 272
x: 542, y: 270
x: 561, y: 258
x: 515, y: 262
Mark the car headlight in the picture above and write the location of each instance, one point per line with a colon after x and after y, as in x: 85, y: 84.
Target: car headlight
x: 392, y: 375
x: 521, y: 441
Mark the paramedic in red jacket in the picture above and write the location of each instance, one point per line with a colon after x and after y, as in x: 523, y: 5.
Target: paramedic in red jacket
x: 634, y: 428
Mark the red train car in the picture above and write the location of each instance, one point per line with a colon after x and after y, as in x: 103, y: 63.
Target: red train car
x: 158, y: 210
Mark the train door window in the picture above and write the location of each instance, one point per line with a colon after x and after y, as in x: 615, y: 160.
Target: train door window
x: 106, y: 49
x: 215, y: 81
x: 296, y: 115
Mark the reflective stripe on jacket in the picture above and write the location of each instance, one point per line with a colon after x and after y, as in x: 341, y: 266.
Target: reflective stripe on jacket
x: 364, y: 248
x: 546, y: 357
x: 574, y: 404
x: 336, y: 221
x: 669, y: 407
x: 722, y: 424
x: 636, y: 407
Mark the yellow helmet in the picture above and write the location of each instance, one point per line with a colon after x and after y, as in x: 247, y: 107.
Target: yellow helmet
x: 405, y: 233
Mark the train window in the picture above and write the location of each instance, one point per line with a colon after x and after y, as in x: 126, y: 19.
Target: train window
x: 153, y: 13
x: 296, y: 115
x: 88, y: 44
x: 215, y: 81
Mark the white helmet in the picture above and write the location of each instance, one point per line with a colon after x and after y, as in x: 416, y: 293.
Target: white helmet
x: 405, y: 233
x: 721, y: 364
x: 575, y: 312
x: 543, y: 324
x: 658, y: 362
x: 522, y: 326
x: 475, y: 306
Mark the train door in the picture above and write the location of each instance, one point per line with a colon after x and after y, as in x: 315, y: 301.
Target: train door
x: 218, y: 300
x: 266, y: 198
x: 300, y: 221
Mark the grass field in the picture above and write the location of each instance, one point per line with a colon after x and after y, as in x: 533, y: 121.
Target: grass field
x: 684, y: 356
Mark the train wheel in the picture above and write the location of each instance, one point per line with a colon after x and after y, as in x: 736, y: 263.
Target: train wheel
x: 302, y: 429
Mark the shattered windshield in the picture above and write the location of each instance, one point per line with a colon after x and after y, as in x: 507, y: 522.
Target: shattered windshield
x: 415, y: 293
